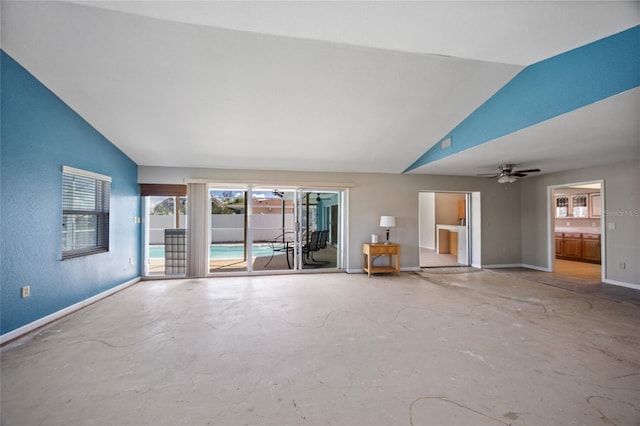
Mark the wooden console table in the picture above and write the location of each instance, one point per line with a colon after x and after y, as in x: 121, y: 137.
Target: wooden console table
x: 370, y: 250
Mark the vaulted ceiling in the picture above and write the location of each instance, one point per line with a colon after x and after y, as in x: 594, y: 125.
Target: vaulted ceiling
x: 319, y: 86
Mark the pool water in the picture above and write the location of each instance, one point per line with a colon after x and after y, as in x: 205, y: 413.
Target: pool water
x: 221, y: 251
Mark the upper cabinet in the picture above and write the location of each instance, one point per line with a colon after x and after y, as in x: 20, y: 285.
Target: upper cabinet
x: 562, y: 206
x: 594, y: 205
x: 581, y: 206
x: 462, y: 212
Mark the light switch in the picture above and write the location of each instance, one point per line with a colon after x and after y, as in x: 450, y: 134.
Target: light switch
x: 612, y: 226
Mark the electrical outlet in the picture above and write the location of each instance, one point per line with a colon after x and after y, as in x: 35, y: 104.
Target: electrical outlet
x: 25, y: 291
x: 622, y: 265
x: 131, y: 260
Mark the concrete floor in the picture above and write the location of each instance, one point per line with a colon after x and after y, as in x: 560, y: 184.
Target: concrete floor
x: 428, y: 348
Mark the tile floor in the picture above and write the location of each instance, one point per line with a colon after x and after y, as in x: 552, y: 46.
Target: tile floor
x: 430, y: 259
x: 437, y: 347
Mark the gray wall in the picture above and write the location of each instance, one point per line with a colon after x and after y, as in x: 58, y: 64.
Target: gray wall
x: 373, y: 195
x: 622, y: 207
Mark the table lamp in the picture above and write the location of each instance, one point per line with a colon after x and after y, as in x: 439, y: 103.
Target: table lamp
x: 387, y: 222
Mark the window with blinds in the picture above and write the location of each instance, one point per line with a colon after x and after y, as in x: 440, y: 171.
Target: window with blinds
x: 85, y: 212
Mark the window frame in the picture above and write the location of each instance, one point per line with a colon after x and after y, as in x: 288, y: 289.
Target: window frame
x: 74, y: 203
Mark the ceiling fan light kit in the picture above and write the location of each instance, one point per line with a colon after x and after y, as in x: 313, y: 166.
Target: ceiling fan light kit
x: 506, y: 179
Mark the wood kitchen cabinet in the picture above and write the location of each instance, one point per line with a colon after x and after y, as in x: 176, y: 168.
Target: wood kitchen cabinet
x: 578, y: 247
x: 562, y: 206
x: 572, y: 246
x: 594, y: 205
x: 591, y: 247
x: 577, y: 206
x: 462, y: 212
x: 559, y: 244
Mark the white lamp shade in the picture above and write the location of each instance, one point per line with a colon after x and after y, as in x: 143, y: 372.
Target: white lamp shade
x: 387, y: 221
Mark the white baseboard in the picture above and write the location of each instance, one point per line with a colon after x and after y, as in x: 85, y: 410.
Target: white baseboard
x: 537, y: 268
x: 622, y: 284
x: 28, y: 328
x: 516, y: 265
x: 503, y: 265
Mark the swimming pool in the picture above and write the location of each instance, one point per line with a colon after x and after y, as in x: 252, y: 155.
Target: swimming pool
x: 221, y: 251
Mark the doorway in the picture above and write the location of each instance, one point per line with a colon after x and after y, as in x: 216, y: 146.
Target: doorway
x: 576, y: 231
x: 165, y: 223
x: 445, y: 229
x: 265, y: 229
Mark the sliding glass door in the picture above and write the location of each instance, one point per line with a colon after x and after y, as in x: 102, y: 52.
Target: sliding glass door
x: 274, y: 229
x: 252, y: 229
x: 229, y: 232
x: 320, y: 229
x: 165, y: 235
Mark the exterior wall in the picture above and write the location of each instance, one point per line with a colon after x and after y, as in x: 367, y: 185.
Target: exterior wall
x: 622, y: 208
x: 39, y: 135
x: 373, y: 195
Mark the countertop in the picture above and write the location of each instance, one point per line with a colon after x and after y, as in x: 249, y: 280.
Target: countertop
x: 455, y: 228
x: 579, y: 229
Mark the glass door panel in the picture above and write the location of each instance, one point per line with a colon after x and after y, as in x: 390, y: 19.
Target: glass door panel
x: 166, y: 222
x: 320, y: 229
x: 228, y: 250
x: 269, y: 229
x: 273, y: 229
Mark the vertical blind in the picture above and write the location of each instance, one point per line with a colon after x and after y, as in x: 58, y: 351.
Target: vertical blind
x: 198, y: 230
x: 85, y: 212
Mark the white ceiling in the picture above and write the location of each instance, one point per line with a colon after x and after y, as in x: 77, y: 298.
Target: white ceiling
x: 318, y: 86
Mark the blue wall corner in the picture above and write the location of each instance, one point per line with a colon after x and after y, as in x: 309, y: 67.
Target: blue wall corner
x: 40, y: 134
x: 547, y: 89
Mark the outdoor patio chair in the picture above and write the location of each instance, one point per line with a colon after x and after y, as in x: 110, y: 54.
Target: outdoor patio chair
x: 317, y: 242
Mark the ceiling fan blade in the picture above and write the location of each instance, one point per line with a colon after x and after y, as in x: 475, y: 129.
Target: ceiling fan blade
x: 526, y: 171
x: 518, y: 174
x: 489, y: 175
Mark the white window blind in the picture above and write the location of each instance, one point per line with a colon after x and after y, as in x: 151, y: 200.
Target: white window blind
x: 85, y: 212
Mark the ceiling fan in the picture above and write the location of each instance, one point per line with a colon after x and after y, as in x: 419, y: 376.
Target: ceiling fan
x: 507, y: 174
x: 318, y: 198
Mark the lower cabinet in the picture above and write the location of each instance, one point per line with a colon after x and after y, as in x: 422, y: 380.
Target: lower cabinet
x: 559, y: 244
x: 572, y: 246
x: 579, y: 247
x: 591, y: 248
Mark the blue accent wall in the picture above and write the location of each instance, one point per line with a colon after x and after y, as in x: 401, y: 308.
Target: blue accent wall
x: 548, y: 89
x: 39, y: 135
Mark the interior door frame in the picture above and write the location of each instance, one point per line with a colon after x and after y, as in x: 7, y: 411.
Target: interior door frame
x: 551, y: 249
x: 472, y: 235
